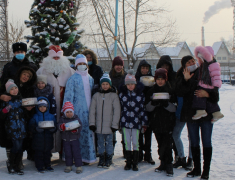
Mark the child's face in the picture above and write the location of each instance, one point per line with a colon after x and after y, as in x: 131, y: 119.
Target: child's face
x: 105, y: 86
x: 69, y: 114
x: 41, y: 85
x: 160, y: 82
x: 14, y: 91
x: 130, y: 87
x: 42, y: 109
x: 144, y: 70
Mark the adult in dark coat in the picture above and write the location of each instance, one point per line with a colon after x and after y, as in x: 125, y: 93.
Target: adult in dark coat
x: 117, y: 75
x: 166, y: 63
x: 186, y: 87
x: 94, y: 70
x: 145, y: 139
x: 19, y: 60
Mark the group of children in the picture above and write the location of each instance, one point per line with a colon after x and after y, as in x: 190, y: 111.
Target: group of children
x: 110, y: 110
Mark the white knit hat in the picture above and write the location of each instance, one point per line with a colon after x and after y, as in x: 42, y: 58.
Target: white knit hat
x: 42, y: 78
x: 80, y: 58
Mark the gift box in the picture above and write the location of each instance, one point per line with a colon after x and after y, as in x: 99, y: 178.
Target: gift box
x: 72, y: 125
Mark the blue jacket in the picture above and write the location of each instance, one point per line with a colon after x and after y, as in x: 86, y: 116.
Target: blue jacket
x: 13, y: 121
x: 133, y: 115
x: 42, y: 141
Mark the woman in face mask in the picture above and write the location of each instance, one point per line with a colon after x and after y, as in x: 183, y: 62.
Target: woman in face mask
x: 78, y: 92
x: 186, y: 87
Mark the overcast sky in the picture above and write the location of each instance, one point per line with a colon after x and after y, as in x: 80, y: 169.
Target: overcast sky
x: 189, y: 17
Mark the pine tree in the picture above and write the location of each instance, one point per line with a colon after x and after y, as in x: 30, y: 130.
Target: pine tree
x: 52, y: 23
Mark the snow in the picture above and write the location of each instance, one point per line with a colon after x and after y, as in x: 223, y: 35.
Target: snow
x: 61, y: 26
x: 54, y: 25
x: 222, y: 165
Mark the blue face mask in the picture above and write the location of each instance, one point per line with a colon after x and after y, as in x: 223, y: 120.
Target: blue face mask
x: 89, y: 63
x: 20, y: 56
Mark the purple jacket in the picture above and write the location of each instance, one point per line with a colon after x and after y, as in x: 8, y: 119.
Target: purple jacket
x: 68, y: 135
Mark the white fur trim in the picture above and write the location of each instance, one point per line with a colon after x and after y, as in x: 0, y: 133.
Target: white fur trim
x: 52, y: 53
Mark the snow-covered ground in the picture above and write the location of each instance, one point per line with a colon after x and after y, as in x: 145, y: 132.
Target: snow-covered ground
x: 222, y: 166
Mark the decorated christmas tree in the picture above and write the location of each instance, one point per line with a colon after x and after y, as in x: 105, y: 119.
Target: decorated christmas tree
x: 52, y: 23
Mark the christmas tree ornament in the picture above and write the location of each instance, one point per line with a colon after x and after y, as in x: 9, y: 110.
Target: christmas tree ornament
x: 61, y: 11
x: 27, y: 40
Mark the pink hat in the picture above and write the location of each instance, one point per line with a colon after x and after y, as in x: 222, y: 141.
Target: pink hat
x: 209, y: 48
x: 204, y: 53
x: 68, y: 106
x: 10, y: 84
x: 55, y: 51
x: 130, y: 78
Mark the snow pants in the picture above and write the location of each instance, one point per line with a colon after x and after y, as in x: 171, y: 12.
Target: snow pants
x: 42, y: 159
x: 131, y: 136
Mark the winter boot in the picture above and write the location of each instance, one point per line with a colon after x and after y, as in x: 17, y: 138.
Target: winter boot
x: 108, y: 161
x: 18, y: 161
x: 197, y: 162
x: 10, y: 163
x: 189, y: 165
x: 199, y: 114
x: 180, y: 163
x: 216, y: 116
x: 128, y: 160
x: 79, y: 170
x: 148, y: 158
x: 207, y: 153
x: 101, y: 161
x: 135, y: 160
x: 169, y: 170
x: 161, y: 168
x: 49, y: 168
x: 68, y: 169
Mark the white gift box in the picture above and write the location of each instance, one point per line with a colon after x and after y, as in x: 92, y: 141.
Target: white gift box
x: 29, y: 101
x: 72, y: 125
x: 147, y: 80
x: 157, y: 96
x: 46, y: 124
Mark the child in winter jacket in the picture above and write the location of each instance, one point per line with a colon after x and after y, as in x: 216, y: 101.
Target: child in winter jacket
x: 14, y: 126
x: 70, y: 138
x: 42, y: 137
x: 42, y: 88
x: 162, y: 119
x: 104, y: 118
x: 133, y: 118
x: 209, y: 80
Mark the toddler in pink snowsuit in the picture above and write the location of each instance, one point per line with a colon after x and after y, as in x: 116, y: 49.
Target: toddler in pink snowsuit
x: 209, y: 80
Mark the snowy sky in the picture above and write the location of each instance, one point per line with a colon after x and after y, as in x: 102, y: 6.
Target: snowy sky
x: 189, y: 15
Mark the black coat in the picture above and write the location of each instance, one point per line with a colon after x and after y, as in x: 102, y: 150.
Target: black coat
x: 117, y: 79
x: 186, y: 90
x: 161, y: 120
x: 138, y: 73
x: 11, y: 68
x: 96, y: 73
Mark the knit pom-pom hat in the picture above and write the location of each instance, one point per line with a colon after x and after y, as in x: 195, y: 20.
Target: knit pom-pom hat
x: 117, y: 61
x: 161, y: 73
x: 105, y: 78
x: 10, y: 84
x: 130, y: 78
x: 68, y: 106
x: 80, y: 58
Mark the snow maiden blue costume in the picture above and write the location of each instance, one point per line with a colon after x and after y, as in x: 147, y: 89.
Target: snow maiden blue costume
x: 78, y: 92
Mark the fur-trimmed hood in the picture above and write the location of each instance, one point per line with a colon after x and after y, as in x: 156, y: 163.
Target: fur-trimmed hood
x: 204, y: 53
x: 138, y: 73
x: 31, y: 82
x: 138, y: 89
x: 165, y: 59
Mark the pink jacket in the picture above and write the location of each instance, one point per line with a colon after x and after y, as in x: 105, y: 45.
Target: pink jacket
x: 206, y: 54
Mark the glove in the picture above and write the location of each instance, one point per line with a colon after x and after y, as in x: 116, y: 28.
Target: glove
x: 52, y: 129
x: 92, y: 128
x: 144, y: 128
x: 154, y: 103
x: 6, y: 109
x: 113, y: 130
x: 62, y: 127
x: 164, y: 102
x: 38, y: 129
x: 74, y: 131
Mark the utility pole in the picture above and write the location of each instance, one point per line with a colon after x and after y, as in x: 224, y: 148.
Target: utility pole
x: 4, y: 42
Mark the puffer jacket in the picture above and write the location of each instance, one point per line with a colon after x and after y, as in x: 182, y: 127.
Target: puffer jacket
x: 138, y: 73
x: 133, y: 114
x: 105, y: 111
x: 13, y: 122
x: 68, y: 135
x: 161, y: 120
x: 117, y: 78
x: 42, y: 141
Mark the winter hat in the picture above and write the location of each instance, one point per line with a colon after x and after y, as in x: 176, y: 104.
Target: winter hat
x: 29, y: 72
x: 42, y: 78
x: 10, y: 84
x: 185, y: 59
x: 204, y: 53
x: 130, y: 78
x: 80, y: 58
x: 105, y: 78
x: 68, y: 106
x: 42, y: 102
x: 19, y: 46
x: 55, y: 51
x: 117, y: 61
x: 161, y: 73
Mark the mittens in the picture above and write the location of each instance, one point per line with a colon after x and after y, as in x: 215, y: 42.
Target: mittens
x: 62, y: 127
x: 74, y: 131
x: 6, y: 109
x: 93, y: 128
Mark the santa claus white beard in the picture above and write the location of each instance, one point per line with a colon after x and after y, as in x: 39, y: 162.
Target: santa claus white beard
x: 55, y: 66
